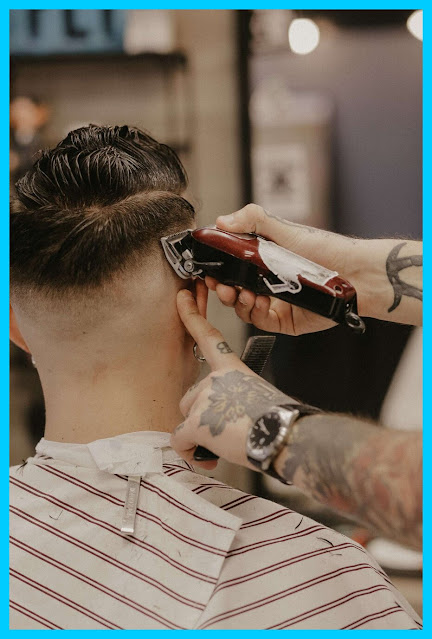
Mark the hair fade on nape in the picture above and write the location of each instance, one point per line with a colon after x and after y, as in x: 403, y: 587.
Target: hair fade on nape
x: 91, y: 205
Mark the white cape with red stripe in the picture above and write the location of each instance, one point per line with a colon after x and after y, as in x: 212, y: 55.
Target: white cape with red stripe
x: 203, y: 555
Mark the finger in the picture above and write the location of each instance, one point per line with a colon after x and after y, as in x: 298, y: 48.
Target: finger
x: 210, y: 341
x: 190, y: 396
x: 260, y: 313
x: 227, y: 294
x: 188, y: 455
x: 244, y: 305
x: 280, y: 317
x: 201, y: 294
x: 208, y: 465
x: 182, y: 444
x: 211, y: 283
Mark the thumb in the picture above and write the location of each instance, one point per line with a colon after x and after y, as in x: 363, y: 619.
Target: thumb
x: 254, y: 219
x: 210, y: 341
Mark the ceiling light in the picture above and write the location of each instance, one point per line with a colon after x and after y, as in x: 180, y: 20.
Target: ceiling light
x: 415, y: 24
x: 303, y: 35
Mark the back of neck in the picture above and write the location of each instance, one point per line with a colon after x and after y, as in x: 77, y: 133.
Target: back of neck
x: 96, y: 404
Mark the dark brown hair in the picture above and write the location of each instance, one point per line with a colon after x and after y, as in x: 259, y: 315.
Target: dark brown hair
x: 92, y: 205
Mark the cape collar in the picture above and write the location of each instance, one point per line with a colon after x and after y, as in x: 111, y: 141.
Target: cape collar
x: 130, y: 454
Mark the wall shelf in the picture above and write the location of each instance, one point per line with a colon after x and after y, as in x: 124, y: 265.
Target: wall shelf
x: 151, y: 90
x: 174, y: 59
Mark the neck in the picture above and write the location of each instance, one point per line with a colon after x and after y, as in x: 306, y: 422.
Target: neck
x: 104, y: 401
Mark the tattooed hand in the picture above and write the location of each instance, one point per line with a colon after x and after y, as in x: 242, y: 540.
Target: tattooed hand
x: 220, y: 409
x: 370, y: 473
x: 372, y: 267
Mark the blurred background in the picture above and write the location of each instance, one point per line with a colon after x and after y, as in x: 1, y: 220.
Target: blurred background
x: 315, y: 115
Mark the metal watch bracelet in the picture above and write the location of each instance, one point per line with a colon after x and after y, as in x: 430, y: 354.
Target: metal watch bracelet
x: 303, y: 410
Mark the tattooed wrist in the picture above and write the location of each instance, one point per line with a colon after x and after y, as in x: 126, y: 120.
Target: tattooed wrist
x: 396, y: 264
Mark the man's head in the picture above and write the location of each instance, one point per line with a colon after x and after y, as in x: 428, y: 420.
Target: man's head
x: 85, y: 229
x: 99, y: 200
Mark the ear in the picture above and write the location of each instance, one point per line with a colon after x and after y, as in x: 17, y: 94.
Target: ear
x: 201, y: 295
x: 15, y: 333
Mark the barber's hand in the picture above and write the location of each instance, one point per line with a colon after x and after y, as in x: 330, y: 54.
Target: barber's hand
x: 220, y: 409
x: 335, y: 252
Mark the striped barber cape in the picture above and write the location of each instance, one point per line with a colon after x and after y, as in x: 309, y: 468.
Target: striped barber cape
x: 202, y: 555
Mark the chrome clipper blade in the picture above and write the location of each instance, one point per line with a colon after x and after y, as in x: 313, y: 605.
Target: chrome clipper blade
x: 178, y: 256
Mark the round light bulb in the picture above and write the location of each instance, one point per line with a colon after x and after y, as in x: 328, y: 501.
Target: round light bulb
x: 415, y: 24
x: 303, y: 35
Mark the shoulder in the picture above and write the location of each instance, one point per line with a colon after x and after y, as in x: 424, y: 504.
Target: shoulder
x: 267, y: 524
x: 210, y: 489
x: 240, y: 503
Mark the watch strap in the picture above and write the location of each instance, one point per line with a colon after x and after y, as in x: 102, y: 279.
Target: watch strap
x: 302, y: 410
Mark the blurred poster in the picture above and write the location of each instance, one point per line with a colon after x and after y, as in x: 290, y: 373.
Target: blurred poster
x: 54, y: 31
x: 282, y: 180
x: 291, y: 135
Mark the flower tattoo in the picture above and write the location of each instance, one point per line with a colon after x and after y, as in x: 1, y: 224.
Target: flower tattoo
x: 235, y: 395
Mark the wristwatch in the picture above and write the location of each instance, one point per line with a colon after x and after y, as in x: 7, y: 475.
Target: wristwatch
x: 271, y: 432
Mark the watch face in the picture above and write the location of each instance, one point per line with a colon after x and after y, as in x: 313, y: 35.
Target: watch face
x: 263, y: 434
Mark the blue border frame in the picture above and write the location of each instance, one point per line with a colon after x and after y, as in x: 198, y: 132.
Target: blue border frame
x: 4, y: 285
x: 4, y: 254
x: 427, y: 272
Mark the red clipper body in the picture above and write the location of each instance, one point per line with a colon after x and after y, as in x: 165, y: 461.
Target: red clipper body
x: 252, y: 262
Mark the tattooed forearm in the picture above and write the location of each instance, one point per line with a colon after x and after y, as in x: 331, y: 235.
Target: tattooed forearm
x: 394, y: 265
x: 370, y: 473
x: 234, y: 396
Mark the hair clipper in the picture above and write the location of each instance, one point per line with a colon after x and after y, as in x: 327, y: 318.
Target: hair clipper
x: 257, y: 264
